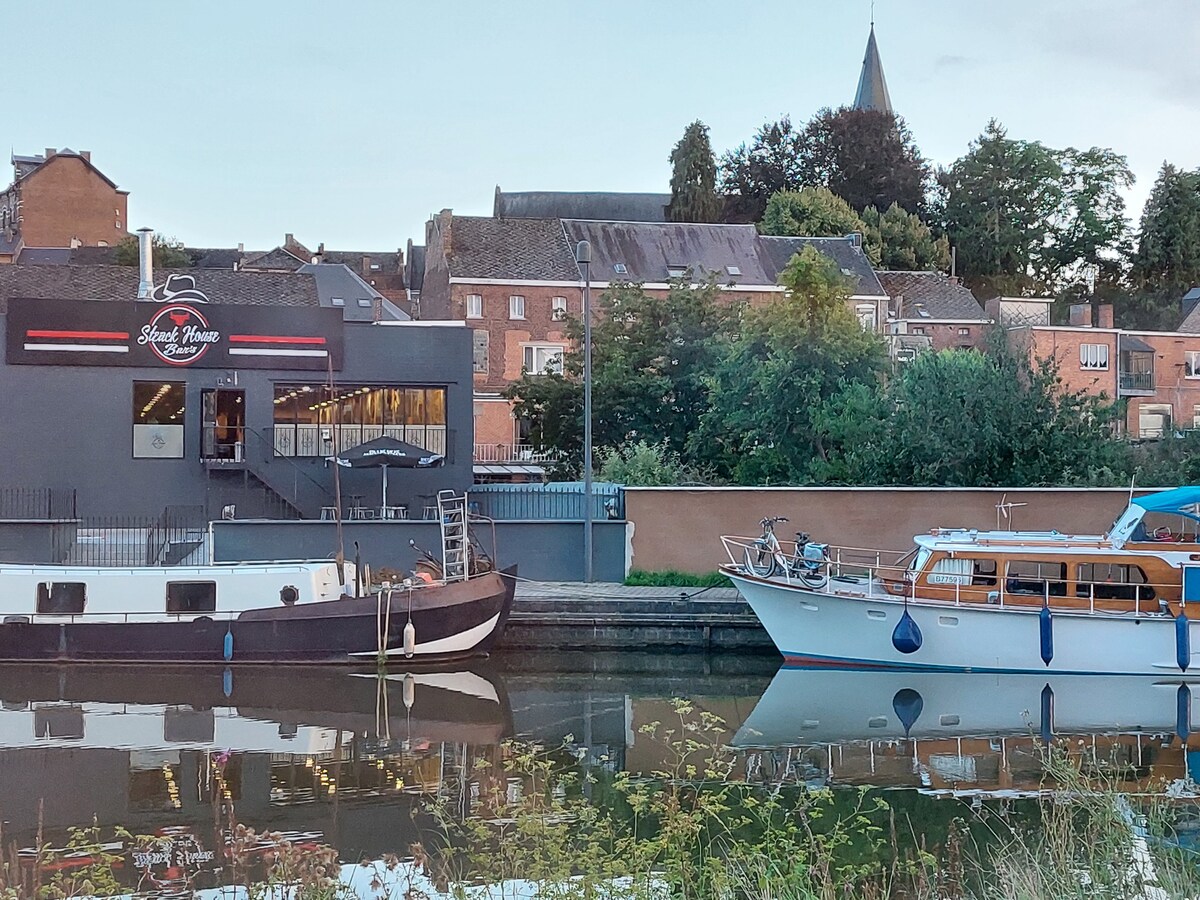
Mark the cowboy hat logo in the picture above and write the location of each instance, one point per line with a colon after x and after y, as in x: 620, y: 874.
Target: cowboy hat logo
x: 179, y: 287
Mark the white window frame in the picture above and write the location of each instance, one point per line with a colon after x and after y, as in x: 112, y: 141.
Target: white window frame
x: 474, y: 306
x: 516, y: 306
x: 1093, y: 357
x: 558, y: 308
x: 536, y: 357
x: 866, y: 314
x: 964, y: 332
x: 1191, y: 364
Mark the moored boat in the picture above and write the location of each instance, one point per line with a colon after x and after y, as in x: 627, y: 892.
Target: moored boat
x: 275, y: 612
x: 1124, y: 602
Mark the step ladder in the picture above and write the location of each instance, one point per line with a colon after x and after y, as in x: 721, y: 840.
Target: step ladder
x: 452, y: 513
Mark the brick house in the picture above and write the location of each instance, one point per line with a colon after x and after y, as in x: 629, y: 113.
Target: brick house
x: 60, y: 199
x: 937, y: 310
x: 1155, y: 374
x: 514, y: 280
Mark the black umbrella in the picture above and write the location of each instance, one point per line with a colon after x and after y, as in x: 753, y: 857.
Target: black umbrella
x: 384, y: 453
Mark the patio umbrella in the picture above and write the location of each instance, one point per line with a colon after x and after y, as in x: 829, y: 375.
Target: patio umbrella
x: 386, y: 452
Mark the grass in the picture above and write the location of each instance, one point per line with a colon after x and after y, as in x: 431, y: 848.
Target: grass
x: 672, y: 578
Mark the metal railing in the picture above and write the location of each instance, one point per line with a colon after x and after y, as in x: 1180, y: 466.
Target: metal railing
x: 330, y: 440
x: 1136, y: 381
x: 128, y: 541
x: 546, y: 501
x: 37, y: 503
x: 511, y: 453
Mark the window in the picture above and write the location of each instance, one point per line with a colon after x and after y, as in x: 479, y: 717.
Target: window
x: 315, y: 420
x: 965, y: 332
x: 1154, y: 420
x: 983, y: 571
x: 1191, y: 364
x: 1196, y: 416
x: 338, y: 301
x: 558, y: 308
x: 364, y: 301
x: 541, y: 359
x: 950, y: 571
x: 481, y: 351
x: 1093, y: 356
x: 733, y: 270
x: 918, y: 330
x: 188, y: 597
x: 620, y: 269
x: 866, y: 316
x: 676, y: 271
x: 1112, y: 581
x: 61, y: 598
x: 158, y: 419
x: 474, y: 306
x: 516, y: 307
x: 1026, y: 576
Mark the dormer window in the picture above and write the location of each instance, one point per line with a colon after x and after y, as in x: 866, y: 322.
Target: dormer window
x: 338, y: 301
x: 733, y: 270
x: 676, y: 271
x: 620, y: 269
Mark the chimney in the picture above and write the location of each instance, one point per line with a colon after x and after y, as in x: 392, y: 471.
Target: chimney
x: 446, y: 226
x: 50, y: 151
x: 1104, y: 315
x: 241, y: 247
x: 289, y: 239
x: 145, y: 262
x: 86, y: 154
x: 366, y: 266
x: 855, y: 239
x: 1081, y: 315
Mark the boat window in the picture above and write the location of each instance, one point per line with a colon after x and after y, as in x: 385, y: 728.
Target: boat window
x: 1029, y: 576
x: 1112, y: 581
x: 61, y: 598
x: 922, y: 558
x: 984, y: 572
x: 191, y: 596
x: 951, y: 571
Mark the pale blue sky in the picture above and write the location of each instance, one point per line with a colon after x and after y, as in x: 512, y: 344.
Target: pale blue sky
x: 350, y: 123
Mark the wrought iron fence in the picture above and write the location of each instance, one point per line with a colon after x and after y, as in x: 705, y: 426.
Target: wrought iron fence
x: 37, y: 503
x: 125, y: 541
x: 563, y: 500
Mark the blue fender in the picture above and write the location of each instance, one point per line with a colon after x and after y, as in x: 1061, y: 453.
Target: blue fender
x: 907, y: 635
x: 1046, y: 632
x: 228, y: 647
x: 1183, y: 712
x: 1183, y: 642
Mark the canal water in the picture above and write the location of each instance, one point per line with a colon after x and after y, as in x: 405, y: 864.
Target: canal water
x: 354, y: 761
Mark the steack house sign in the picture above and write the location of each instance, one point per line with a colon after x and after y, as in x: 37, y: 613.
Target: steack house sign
x: 181, y: 331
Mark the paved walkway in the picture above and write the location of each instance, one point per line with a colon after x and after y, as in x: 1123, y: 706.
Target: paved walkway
x: 602, y: 590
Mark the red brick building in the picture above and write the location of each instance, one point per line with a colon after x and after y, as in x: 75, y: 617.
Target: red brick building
x: 60, y: 199
x: 929, y: 310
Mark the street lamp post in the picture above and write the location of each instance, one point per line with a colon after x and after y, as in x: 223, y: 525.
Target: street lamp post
x: 583, y: 256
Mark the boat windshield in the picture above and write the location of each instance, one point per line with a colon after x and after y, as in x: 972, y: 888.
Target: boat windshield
x: 918, y: 563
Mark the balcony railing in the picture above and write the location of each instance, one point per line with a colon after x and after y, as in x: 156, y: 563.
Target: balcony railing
x: 1136, y: 381
x: 507, y: 453
x: 329, y: 440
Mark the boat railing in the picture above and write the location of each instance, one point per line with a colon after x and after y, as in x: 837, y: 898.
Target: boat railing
x: 865, y: 571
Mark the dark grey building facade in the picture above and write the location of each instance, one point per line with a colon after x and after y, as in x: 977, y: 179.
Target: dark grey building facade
x: 221, y: 388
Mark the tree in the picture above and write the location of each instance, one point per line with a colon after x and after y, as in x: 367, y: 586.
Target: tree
x: 650, y: 358
x: 166, y: 253
x: 867, y: 157
x: 1025, y: 218
x: 775, y: 160
x: 694, y: 178
x: 1167, y: 262
x: 788, y: 358
x: 959, y: 417
x: 904, y: 241
x: 810, y: 212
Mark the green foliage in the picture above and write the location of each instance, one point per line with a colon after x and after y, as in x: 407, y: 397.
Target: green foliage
x: 1167, y: 262
x: 671, y: 578
x: 811, y: 212
x: 867, y: 157
x: 694, y: 178
x: 904, y: 242
x: 775, y: 160
x: 959, y: 417
x: 788, y: 359
x: 1024, y: 217
x: 643, y: 463
x: 167, y: 253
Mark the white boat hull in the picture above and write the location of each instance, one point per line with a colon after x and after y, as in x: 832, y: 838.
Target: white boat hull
x: 821, y: 628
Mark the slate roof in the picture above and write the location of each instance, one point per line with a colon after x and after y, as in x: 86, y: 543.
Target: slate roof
x: 414, y: 271
x: 938, y: 294
x: 28, y: 165
x: 337, y: 280
x: 277, y: 259
x: 9, y: 244
x: 71, y: 282
x: 45, y: 256
x: 849, y: 258
x: 214, y: 257
x: 872, y: 88
x: 1189, y: 325
x: 600, y: 205
x: 511, y: 249
x: 648, y: 249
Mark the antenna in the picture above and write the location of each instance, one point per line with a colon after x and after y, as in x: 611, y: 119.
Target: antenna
x: 872, y: 14
x: 1004, y: 507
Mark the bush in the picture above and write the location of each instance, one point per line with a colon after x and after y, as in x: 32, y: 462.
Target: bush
x: 671, y: 578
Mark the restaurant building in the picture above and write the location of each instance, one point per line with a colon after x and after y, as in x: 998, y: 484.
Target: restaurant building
x: 213, y: 388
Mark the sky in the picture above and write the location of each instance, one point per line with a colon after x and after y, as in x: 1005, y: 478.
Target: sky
x: 350, y: 123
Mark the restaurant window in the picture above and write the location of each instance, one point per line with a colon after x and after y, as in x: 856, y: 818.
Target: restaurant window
x: 61, y: 598
x: 1028, y: 576
x: 314, y: 420
x: 541, y: 359
x: 1112, y: 581
x: 191, y: 597
x: 474, y: 306
x: 158, y: 408
x: 1093, y: 356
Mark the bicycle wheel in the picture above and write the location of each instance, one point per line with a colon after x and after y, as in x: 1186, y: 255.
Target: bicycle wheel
x: 760, y: 561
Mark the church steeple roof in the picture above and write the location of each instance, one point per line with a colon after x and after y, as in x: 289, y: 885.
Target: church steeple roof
x: 872, y: 88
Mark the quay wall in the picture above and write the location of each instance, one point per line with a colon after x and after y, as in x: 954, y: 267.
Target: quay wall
x: 680, y: 528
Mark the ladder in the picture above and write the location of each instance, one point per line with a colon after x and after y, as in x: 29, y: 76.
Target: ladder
x: 452, y: 514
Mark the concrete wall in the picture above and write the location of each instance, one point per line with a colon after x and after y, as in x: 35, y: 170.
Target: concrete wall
x: 680, y: 528
x: 543, y: 551
x: 72, y: 427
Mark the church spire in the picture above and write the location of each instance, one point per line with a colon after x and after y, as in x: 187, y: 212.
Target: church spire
x: 872, y: 88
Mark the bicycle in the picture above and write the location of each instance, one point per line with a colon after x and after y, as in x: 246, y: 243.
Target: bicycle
x: 766, y: 558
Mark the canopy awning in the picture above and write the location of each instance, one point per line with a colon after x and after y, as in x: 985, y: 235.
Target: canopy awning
x: 1175, y: 500
x: 1136, y: 344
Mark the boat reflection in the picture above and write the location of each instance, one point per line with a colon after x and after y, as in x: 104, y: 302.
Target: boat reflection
x: 970, y: 733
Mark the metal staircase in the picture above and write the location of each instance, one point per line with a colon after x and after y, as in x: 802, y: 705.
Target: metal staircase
x: 452, y: 513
